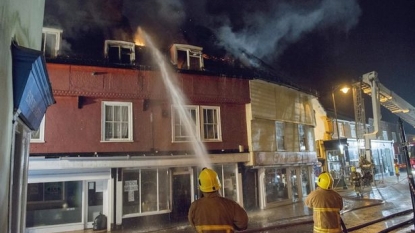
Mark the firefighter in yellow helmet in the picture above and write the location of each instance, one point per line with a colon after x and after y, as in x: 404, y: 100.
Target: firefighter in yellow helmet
x: 326, y: 204
x: 212, y: 212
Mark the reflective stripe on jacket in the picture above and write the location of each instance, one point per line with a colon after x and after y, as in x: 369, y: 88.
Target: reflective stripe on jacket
x: 213, y: 213
x: 326, y: 206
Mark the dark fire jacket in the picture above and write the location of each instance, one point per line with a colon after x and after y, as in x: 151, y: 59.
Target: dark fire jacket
x: 326, y: 206
x: 213, y: 213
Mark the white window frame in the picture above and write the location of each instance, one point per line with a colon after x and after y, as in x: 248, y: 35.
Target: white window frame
x: 129, y: 105
x: 199, y: 124
x: 180, y: 136
x: 216, y: 125
x: 57, y: 33
x: 41, y: 130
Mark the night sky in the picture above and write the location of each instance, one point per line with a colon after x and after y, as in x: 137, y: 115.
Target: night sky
x: 313, y: 43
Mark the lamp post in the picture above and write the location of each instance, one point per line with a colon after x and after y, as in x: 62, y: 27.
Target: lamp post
x: 343, y: 89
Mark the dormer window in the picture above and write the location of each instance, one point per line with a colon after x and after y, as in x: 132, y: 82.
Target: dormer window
x: 51, y: 41
x: 119, y: 51
x: 187, y: 57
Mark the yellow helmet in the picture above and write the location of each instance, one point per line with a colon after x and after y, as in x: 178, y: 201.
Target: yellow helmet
x: 208, y: 181
x: 325, y: 181
x: 353, y: 169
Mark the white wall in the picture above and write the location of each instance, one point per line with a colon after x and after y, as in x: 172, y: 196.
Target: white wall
x: 21, y: 20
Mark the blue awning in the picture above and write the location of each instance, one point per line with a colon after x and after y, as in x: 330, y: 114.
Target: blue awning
x: 32, y: 91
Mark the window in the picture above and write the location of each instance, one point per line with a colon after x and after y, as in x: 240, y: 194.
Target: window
x: 117, y: 121
x: 279, y: 128
x: 38, y: 136
x: 146, y: 191
x: 394, y: 138
x: 51, y: 40
x: 205, y: 126
x: 210, y: 123
x: 302, y: 138
x: 184, y: 127
x: 385, y: 135
x: 120, y: 51
x: 187, y: 56
x: 45, y: 201
x: 353, y: 130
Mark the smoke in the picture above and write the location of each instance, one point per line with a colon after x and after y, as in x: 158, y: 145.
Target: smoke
x: 265, y: 30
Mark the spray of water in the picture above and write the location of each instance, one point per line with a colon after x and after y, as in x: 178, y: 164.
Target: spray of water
x: 179, y: 101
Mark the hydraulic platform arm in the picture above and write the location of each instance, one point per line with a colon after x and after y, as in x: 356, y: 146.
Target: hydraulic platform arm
x: 380, y: 95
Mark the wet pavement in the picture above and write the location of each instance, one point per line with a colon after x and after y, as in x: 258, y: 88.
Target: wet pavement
x: 387, y: 196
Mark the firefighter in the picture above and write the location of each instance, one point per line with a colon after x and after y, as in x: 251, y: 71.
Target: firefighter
x: 356, y: 179
x: 326, y: 204
x: 212, y: 212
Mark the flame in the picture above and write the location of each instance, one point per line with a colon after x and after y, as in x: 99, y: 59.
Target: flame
x: 139, y: 38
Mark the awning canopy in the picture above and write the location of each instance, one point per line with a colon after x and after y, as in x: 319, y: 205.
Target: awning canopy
x: 32, y: 91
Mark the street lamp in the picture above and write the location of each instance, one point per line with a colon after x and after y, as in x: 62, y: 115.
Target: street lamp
x: 343, y: 89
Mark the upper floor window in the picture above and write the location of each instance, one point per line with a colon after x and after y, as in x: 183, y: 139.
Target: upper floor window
x: 203, y: 123
x: 51, y: 41
x: 119, y: 51
x: 38, y: 136
x: 385, y: 135
x: 117, y: 122
x: 187, y: 57
x: 280, y: 128
x: 302, y: 138
x: 353, y: 130
x: 394, y: 138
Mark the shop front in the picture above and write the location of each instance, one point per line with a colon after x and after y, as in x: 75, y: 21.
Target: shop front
x: 284, y: 177
x: 132, y: 190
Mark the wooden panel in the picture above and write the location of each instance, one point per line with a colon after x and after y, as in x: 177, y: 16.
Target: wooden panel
x: 262, y: 99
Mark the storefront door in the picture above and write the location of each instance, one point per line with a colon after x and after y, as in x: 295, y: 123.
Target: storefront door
x: 95, y: 191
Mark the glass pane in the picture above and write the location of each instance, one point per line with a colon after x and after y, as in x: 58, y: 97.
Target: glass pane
x: 131, y: 194
x: 109, y: 116
x: 276, y: 185
x: 164, y: 189
x: 124, y: 114
x: 149, y: 190
x: 54, y: 203
x: 108, y: 131
x: 117, y: 130
x: 117, y: 113
x: 305, y: 181
x: 95, y: 199
x: 229, y: 182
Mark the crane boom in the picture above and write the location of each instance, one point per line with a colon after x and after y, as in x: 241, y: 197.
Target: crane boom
x: 380, y: 95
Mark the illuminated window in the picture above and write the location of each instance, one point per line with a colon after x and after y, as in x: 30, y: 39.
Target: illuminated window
x: 117, y: 122
x: 38, y: 136
x: 187, y: 57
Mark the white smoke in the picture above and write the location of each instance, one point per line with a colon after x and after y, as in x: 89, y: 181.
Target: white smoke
x: 268, y: 33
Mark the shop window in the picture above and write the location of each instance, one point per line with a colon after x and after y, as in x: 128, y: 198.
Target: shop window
x: 276, y: 184
x: 207, y: 126
x: 38, y: 136
x: 280, y: 127
x: 117, y: 121
x: 54, y: 203
x: 228, y: 176
x: 146, y: 192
